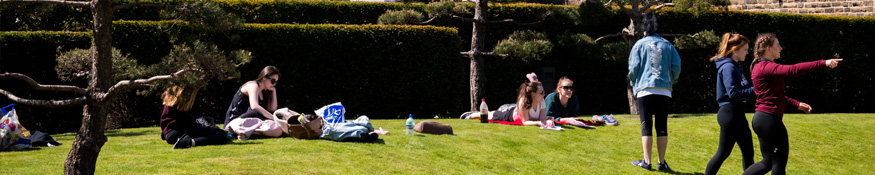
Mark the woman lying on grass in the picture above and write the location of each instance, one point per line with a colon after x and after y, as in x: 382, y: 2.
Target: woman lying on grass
x: 530, y: 99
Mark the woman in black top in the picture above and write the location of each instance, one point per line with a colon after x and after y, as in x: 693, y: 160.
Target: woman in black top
x: 255, y: 99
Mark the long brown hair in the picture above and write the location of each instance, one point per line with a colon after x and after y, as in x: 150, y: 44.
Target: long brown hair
x: 179, y: 97
x: 527, y: 89
x: 764, y: 40
x: 266, y: 72
x: 731, y: 42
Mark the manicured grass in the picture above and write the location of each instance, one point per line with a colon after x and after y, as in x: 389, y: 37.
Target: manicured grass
x: 819, y: 144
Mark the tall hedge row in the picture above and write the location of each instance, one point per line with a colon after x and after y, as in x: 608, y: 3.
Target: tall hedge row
x: 599, y: 81
x: 848, y: 88
x: 379, y: 71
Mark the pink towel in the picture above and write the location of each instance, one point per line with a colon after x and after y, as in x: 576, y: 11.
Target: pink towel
x: 246, y: 127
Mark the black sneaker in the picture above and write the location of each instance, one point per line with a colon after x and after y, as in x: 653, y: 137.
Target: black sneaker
x: 663, y: 167
x: 641, y: 163
x: 183, y: 142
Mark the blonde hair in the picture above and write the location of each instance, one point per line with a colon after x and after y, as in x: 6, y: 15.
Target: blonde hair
x: 731, y: 42
x: 563, y: 79
x: 181, y: 98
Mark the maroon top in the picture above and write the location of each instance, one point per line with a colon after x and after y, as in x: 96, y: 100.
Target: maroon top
x: 768, y: 82
x: 171, y: 117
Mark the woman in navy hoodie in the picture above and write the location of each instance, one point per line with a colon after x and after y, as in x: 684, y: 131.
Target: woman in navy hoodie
x: 733, y: 90
x: 768, y: 82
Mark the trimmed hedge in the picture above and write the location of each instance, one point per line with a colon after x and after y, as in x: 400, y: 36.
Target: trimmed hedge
x: 848, y: 88
x: 599, y: 80
x: 374, y: 70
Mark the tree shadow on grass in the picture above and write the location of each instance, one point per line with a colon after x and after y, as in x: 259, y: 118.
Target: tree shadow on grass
x: 378, y: 141
x: 673, y: 116
x: 120, y: 133
x: 687, y: 115
x: 30, y: 149
x: 237, y: 142
x: 683, y: 173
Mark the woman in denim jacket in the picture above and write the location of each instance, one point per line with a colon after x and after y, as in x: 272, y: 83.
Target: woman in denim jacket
x: 654, y: 66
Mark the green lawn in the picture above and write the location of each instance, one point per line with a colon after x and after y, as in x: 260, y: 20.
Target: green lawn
x: 819, y: 144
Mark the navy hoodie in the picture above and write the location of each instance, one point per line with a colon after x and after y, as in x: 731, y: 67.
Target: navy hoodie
x: 732, y: 86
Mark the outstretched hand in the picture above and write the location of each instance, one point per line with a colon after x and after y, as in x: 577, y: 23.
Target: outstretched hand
x: 832, y: 63
x: 805, y: 108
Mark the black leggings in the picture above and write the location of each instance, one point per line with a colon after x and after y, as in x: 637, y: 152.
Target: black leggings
x: 653, y: 105
x: 201, y: 135
x: 773, y: 144
x: 733, y: 129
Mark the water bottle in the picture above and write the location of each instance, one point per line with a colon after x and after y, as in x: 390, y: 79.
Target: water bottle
x: 484, y: 111
x: 409, y: 124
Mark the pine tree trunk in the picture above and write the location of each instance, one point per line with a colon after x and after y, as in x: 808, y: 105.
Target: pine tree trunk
x: 636, y: 34
x: 477, y: 37
x: 90, y: 138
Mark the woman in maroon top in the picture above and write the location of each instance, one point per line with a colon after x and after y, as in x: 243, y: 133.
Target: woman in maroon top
x: 177, y: 125
x: 768, y: 82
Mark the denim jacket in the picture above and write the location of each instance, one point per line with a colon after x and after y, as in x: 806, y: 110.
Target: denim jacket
x: 653, y: 62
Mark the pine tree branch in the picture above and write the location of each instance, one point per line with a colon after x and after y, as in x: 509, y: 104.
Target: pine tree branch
x: 514, y: 22
x: 430, y: 20
x: 129, y: 5
x: 463, y: 18
x: 645, y: 7
x: 493, y: 54
x: 612, y: 35
x: 37, y: 86
x: 125, y: 84
x: 483, y: 53
x: 658, y: 7
x: 82, y: 4
x: 44, y: 103
x: 624, y: 9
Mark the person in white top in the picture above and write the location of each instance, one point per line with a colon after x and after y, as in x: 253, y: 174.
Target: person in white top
x: 531, y: 108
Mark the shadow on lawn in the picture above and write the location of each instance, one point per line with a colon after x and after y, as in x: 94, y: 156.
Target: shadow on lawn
x: 119, y: 133
x: 687, y: 115
x: 672, y: 116
x: 683, y: 173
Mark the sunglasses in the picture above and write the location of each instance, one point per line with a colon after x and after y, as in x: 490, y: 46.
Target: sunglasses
x: 272, y: 81
x: 568, y: 88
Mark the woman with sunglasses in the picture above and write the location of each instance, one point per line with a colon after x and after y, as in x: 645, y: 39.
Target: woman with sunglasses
x: 251, y: 109
x: 562, y: 105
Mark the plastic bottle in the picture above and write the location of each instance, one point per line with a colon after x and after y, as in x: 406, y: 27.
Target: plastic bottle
x: 484, y: 110
x: 409, y: 124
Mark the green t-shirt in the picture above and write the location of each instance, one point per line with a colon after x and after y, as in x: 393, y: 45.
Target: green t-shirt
x: 556, y: 110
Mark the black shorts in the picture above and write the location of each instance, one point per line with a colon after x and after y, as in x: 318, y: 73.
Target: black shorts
x: 504, y: 113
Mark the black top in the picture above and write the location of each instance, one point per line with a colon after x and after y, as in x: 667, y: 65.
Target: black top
x: 240, y: 104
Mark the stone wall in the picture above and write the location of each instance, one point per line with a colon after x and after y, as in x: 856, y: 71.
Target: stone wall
x: 820, y: 7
